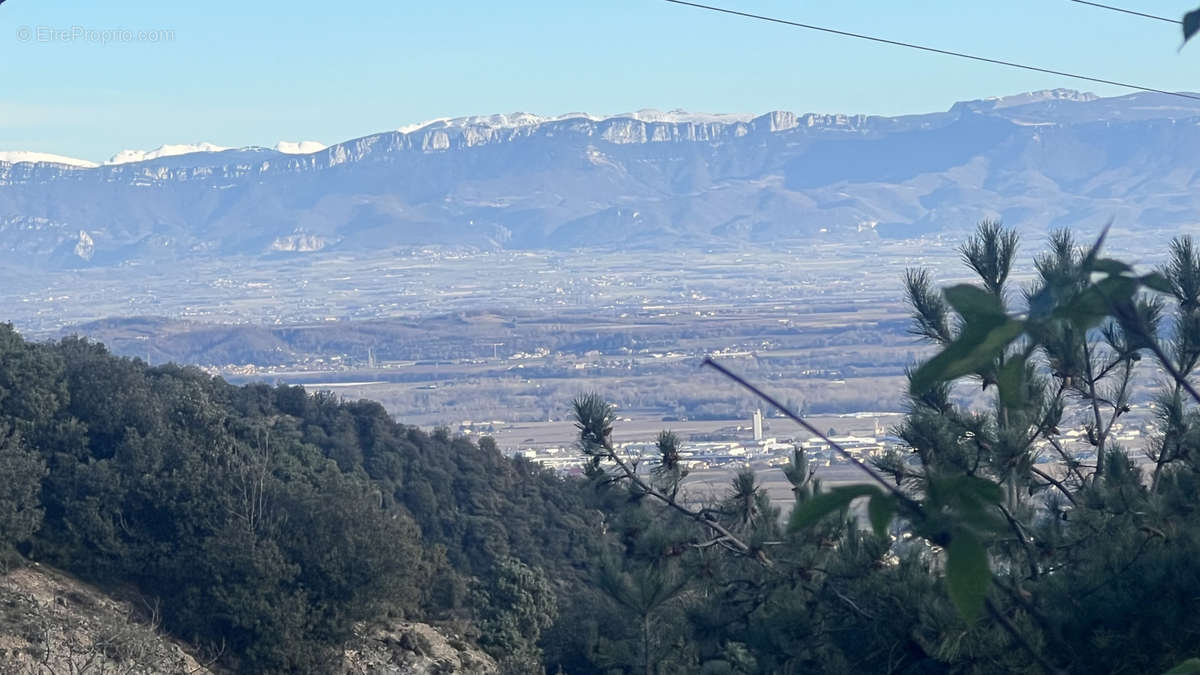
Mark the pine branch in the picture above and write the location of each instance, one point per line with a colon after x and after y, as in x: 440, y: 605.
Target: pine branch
x: 1020, y: 639
x: 1091, y: 395
x: 1072, y: 465
x: 1023, y: 537
x: 1055, y: 482
x: 896, y: 492
x: 726, y: 539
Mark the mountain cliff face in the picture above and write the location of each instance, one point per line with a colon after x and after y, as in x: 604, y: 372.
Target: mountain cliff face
x: 652, y: 180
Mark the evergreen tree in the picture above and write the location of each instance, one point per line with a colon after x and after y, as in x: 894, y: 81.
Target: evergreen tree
x: 990, y: 545
x: 20, y: 504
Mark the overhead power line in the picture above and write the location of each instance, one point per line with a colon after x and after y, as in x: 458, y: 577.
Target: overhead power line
x: 1129, y: 11
x: 933, y: 50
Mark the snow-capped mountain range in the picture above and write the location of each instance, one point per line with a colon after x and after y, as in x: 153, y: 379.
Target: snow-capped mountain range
x: 649, y: 178
x: 285, y: 147
x: 131, y: 156
x: 30, y: 157
x: 521, y: 119
x: 499, y: 121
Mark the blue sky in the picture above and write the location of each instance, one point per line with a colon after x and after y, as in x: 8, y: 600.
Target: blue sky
x: 253, y: 72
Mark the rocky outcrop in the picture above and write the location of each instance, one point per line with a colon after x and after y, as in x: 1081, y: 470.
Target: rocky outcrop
x: 405, y: 648
x: 53, y: 623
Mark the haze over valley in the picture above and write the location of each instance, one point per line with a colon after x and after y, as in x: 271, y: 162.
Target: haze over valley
x: 493, y: 267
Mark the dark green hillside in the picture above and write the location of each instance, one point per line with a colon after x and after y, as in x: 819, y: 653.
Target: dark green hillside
x: 259, y: 518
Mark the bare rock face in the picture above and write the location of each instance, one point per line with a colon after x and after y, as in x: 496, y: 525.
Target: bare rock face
x: 404, y: 648
x: 52, y: 623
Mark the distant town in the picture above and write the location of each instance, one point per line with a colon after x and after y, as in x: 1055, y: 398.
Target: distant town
x: 734, y: 446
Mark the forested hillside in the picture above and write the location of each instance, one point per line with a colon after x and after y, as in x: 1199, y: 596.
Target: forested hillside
x: 263, y: 520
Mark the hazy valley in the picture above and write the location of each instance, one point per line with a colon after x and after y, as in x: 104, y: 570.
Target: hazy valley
x: 494, y: 267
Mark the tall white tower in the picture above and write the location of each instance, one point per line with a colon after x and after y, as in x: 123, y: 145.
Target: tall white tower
x: 757, y: 424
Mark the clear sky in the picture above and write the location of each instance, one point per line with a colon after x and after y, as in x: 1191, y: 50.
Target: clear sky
x: 253, y: 72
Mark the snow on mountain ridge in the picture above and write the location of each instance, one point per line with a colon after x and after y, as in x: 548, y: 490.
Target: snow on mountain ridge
x: 128, y: 156
x: 498, y: 121
x: 523, y: 119
x: 19, y: 156
x: 684, y: 117
x: 285, y: 147
x: 1040, y: 96
x: 299, y: 147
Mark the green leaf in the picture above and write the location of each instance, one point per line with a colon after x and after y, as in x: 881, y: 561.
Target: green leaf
x: 1093, y: 254
x: 980, y: 342
x: 981, y: 518
x: 1189, y: 667
x: 880, y: 510
x: 1111, y: 266
x: 1011, y: 382
x: 967, y: 574
x: 1191, y: 24
x: 961, y: 487
x: 969, y: 499
x: 972, y: 301
x: 1097, y: 301
x: 826, y: 503
x: 1156, y: 282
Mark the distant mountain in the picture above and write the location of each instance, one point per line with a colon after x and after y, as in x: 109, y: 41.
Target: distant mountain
x: 23, y: 156
x: 645, y: 179
x: 131, y: 156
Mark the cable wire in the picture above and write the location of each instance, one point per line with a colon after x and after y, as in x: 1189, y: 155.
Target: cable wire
x: 1128, y: 11
x: 933, y: 50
